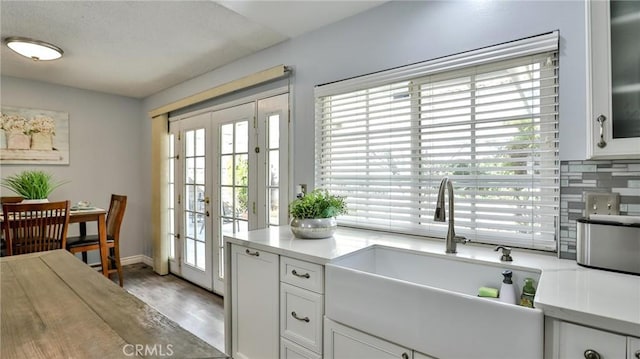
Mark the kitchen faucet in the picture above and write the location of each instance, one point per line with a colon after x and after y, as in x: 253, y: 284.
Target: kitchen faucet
x: 440, y: 215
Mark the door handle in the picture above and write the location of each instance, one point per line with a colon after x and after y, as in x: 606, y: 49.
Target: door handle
x: 602, y: 143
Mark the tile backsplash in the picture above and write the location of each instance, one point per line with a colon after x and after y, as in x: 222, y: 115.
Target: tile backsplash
x: 576, y: 177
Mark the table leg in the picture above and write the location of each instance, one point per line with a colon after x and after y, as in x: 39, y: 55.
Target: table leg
x: 102, y: 235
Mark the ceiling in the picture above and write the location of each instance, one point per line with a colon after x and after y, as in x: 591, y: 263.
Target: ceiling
x: 138, y: 48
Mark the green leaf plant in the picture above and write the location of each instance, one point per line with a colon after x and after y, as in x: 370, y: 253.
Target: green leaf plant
x: 318, y: 203
x: 31, y: 184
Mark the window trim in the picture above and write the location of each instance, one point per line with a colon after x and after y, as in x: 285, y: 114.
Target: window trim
x: 516, y: 49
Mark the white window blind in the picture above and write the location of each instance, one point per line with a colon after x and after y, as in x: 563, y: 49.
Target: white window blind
x: 489, y: 124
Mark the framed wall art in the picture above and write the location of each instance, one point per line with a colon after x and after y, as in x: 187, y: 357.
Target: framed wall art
x: 34, y: 136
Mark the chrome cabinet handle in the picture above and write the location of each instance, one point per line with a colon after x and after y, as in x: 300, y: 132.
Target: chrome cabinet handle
x: 405, y: 356
x: 306, y: 275
x: 602, y: 143
x: 256, y: 253
x: 591, y: 354
x: 305, y: 319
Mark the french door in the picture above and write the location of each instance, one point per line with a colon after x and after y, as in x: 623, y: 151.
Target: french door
x: 229, y: 173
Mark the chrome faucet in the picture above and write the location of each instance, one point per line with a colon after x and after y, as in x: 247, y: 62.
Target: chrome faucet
x: 439, y: 215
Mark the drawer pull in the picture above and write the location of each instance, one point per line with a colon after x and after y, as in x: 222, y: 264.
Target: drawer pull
x: 591, y: 354
x: 306, y: 275
x: 637, y: 354
x: 256, y: 253
x: 305, y: 319
x: 405, y: 356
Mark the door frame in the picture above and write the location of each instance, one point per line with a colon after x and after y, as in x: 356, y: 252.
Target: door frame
x: 282, y: 90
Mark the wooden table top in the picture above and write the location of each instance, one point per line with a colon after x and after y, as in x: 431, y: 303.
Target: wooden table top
x: 55, y: 306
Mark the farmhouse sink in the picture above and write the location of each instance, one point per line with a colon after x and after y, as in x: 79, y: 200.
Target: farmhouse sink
x: 428, y: 302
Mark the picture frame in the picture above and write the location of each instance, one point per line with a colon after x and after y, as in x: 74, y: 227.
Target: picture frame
x: 33, y: 136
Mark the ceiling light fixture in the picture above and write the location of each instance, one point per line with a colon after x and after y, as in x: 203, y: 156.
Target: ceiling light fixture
x: 34, y: 49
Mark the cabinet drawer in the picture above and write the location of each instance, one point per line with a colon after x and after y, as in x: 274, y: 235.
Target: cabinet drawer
x: 291, y: 350
x: 301, y: 314
x: 302, y: 274
x: 633, y: 348
x: 344, y: 342
x: 574, y: 340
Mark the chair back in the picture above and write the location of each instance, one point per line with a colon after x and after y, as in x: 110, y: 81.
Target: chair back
x: 35, y: 227
x: 10, y: 199
x: 114, y: 216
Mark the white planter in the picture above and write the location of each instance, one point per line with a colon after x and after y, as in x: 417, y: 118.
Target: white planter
x: 18, y: 141
x: 41, y: 200
x: 41, y: 141
x: 3, y: 139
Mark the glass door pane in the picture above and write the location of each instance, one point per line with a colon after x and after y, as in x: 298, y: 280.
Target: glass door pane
x: 625, y: 68
x: 194, y: 188
x: 192, y: 184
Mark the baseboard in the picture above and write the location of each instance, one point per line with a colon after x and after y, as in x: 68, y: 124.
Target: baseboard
x: 140, y: 258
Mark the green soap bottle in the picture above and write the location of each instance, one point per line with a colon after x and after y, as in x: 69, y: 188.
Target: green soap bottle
x: 528, y: 293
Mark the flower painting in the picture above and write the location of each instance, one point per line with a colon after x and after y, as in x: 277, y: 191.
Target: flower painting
x: 33, y: 136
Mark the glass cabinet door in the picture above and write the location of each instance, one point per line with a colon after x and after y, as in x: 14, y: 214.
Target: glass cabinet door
x: 625, y: 68
x: 614, y: 59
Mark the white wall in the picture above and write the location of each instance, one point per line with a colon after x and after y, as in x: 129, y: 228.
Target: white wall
x: 400, y: 33
x: 105, y: 156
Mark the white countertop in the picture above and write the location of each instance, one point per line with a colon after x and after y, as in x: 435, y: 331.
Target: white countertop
x: 566, y: 291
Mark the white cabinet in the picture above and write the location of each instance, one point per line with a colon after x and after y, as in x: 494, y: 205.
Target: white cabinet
x: 568, y: 340
x: 301, y: 305
x: 255, y: 302
x: 344, y: 342
x: 613, y: 112
x: 291, y: 350
x: 301, y: 316
x: 633, y: 348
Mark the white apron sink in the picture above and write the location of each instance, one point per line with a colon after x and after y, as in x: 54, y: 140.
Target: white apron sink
x: 428, y: 302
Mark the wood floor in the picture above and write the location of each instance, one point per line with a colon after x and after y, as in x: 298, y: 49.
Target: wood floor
x: 195, y: 309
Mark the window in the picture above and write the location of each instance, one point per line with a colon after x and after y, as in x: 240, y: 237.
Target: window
x: 487, y: 119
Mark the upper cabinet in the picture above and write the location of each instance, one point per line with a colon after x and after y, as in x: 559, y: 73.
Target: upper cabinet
x: 613, y: 45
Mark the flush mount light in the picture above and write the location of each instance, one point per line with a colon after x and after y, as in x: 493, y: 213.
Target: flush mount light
x: 34, y: 49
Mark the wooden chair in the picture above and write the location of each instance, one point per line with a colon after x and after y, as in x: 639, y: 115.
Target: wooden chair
x: 10, y: 199
x: 35, y: 227
x: 84, y: 243
x: 3, y: 200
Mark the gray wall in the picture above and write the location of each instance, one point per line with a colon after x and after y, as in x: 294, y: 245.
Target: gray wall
x: 111, y: 137
x: 105, y: 132
x: 400, y: 33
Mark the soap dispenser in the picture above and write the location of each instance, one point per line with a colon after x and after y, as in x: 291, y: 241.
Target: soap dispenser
x: 507, y: 290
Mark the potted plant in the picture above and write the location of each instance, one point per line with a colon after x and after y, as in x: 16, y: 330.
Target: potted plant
x: 314, y: 214
x: 31, y: 184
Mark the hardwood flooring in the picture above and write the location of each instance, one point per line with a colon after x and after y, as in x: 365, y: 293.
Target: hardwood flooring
x: 195, y: 309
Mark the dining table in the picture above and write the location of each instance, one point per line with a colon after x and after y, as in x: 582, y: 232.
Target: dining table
x: 55, y: 306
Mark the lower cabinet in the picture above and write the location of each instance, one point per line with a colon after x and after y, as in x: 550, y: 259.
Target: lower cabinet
x: 301, y: 316
x: 277, y: 306
x: 255, y: 301
x: 301, y: 308
x: 344, y: 342
x: 291, y: 350
x: 633, y: 348
x: 568, y: 340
